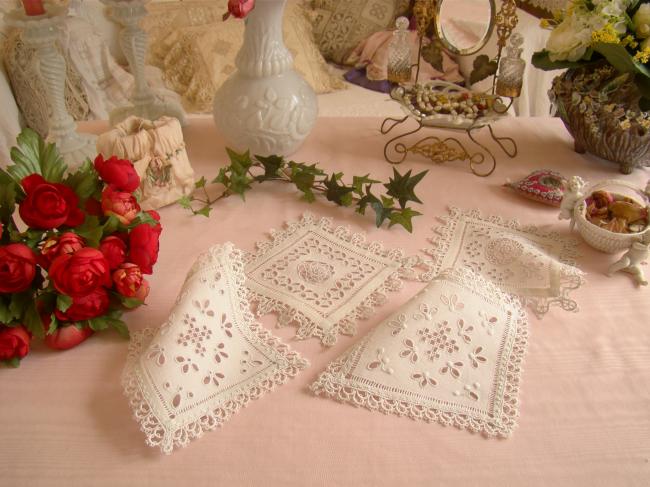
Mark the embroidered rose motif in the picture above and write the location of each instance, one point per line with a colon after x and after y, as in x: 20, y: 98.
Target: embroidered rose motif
x: 503, y: 251
x: 315, y: 272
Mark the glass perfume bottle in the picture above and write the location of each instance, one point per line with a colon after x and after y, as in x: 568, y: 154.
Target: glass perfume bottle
x: 511, y: 69
x: 399, y: 53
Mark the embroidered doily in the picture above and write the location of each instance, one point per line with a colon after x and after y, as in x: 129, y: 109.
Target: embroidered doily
x: 534, y: 264
x: 452, y: 354
x: 322, y: 278
x: 208, y: 360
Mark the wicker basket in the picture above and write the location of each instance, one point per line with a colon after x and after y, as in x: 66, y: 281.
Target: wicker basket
x: 600, y: 238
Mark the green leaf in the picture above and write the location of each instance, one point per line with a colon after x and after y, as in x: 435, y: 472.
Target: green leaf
x: 32, y: 237
x: 483, y: 68
x: 621, y: 59
x: 403, y: 218
x: 271, y: 164
x: 205, y: 211
x: 239, y: 163
x: 200, y: 183
x: 32, y: 320
x: 402, y: 187
x: 84, y: 181
x: 338, y: 193
x: 358, y: 183
x: 8, y: 193
x: 185, y: 202
x: 381, y: 213
x: 222, y: 177
x: 33, y: 156
x: 14, y: 363
x: 120, y: 327
x: 541, y: 60
x: 6, y: 316
x: 368, y: 199
x: 131, y: 303
x: 18, y: 304
x: 432, y: 53
x: 90, y: 230
x: 63, y: 302
x: 99, y: 324
x: 110, y: 226
x: 54, y: 324
x: 240, y: 183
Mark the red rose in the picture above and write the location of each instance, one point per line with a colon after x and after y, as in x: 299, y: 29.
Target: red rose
x: 79, y: 274
x: 85, y: 307
x: 49, y: 205
x: 114, y: 249
x: 118, y: 173
x: 143, y: 292
x: 144, y: 246
x: 240, y: 8
x: 154, y: 214
x: 93, y: 207
x: 64, y: 337
x: 14, y: 342
x: 17, y: 268
x: 122, y: 205
x: 128, y: 280
x: 68, y: 243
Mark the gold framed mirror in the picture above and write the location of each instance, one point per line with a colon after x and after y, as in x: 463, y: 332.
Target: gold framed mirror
x: 483, y: 13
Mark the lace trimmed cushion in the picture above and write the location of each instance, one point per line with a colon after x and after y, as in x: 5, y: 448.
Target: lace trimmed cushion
x: 534, y: 264
x: 208, y: 360
x: 322, y: 278
x: 452, y: 354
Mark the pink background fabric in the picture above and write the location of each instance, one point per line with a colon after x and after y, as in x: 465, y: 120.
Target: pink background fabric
x: 585, y: 398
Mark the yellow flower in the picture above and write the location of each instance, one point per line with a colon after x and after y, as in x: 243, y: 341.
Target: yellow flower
x: 629, y: 41
x: 643, y: 56
x: 606, y: 35
x: 544, y: 24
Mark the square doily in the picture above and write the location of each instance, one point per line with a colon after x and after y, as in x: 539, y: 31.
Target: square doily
x: 535, y: 264
x: 452, y: 354
x: 322, y: 278
x: 208, y: 360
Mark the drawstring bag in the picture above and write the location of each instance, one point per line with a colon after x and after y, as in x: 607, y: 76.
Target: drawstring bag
x: 157, y: 151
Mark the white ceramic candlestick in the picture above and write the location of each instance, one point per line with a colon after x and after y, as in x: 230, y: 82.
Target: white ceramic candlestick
x: 41, y: 33
x: 133, y: 40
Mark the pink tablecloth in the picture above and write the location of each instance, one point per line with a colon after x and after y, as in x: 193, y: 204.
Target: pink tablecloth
x: 585, y: 415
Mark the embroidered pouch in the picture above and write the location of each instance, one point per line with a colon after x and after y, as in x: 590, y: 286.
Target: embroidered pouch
x: 545, y: 186
x: 207, y: 361
x: 452, y: 354
x: 158, y: 153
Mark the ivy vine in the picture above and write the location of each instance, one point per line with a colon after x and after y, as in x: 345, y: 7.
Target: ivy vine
x: 245, y: 170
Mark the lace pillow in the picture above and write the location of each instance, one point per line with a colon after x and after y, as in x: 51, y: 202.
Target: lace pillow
x: 323, y: 278
x: 340, y: 25
x: 544, y: 186
x: 207, y: 361
x: 452, y: 354
x: 197, y: 54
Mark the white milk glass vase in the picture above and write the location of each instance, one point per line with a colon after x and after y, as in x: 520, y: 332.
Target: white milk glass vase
x: 265, y: 106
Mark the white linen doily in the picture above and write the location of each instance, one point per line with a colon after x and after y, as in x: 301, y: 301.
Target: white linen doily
x: 323, y: 278
x: 452, y: 354
x: 208, y: 360
x: 534, y: 264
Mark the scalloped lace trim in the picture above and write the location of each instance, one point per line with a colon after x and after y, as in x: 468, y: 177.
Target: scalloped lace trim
x: 570, y: 277
x: 335, y: 384
x: 288, y: 310
x: 289, y: 363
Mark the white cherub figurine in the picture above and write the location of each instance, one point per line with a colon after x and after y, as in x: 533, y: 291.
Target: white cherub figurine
x: 631, y: 262
x: 570, y: 198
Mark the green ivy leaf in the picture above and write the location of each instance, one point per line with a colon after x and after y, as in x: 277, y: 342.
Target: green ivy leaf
x: 222, y: 177
x: 358, y: 183
x: 271, y: 165
x: 338, y: 193
x: 33, y: 156
x: 381, y: 212
x: 483, y: 68
x: 84, y: 182
x: 200, y: 183
x: 403, y: 218
x: 185, y: 202
x: 402, y: 187
x: 90, y: 230
x: 239, y: 163
x: 205, y: 211
x: 63, y: 302
x: 239, y: 183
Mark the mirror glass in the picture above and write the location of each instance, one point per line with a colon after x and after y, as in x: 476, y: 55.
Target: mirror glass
x: 464, y: 26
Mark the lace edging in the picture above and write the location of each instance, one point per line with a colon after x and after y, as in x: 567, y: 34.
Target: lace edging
x: 571, y: 277
x: 307, y: 328
x: 156, y: 432
x: 333, y: 383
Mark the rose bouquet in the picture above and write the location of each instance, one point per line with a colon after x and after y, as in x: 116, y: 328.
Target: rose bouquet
x: 72, y: 259
x: 601, y: 32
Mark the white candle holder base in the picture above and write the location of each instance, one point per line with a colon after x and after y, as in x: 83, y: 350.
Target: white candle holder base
x: 145, y: 102
x: 41, y: 33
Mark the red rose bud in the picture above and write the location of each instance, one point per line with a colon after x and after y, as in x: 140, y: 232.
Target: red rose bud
x: 67, y: 337
x: 154, y: 214
x: 122, y: 205
x: 143, y: 292
x: 85, y: 307
x: 128, y: 280
x: 14, y: 342
x: 240, y: 8
x: 118, y: 173
x: 144, y: 246
x: 114, y: 249
x: 68, y: 243
x: 49, y: 205
x: 17, y: 268
x: 81, y: 273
